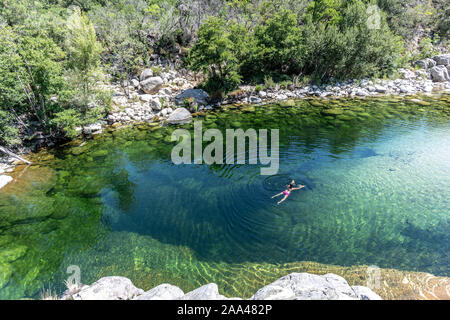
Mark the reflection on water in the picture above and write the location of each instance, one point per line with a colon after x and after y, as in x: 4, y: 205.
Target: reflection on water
x: 377, y: 191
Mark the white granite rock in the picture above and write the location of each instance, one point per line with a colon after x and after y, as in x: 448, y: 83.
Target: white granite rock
x: 109, y: 288
x: 305, y: 286
x: 164, y: 291
x: 4, y: 180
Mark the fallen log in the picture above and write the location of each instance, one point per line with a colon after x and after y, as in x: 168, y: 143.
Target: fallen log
x: 12, y: 154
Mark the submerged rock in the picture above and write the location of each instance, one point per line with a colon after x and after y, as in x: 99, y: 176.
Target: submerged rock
x: 5, y: 274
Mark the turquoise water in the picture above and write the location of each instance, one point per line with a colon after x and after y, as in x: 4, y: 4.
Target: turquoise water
x: 377, y: 176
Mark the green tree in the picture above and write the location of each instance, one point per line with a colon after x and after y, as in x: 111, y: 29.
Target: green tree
x: 279, y: 44
x: 214, y: 53
x: 351, y: 48
x: 84, y: 58
x: 30, y: 74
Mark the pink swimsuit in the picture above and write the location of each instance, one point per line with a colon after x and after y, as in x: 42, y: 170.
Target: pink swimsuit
x: 286, y: 192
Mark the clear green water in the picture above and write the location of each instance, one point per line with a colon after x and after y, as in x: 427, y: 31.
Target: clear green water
x: 378, y: 192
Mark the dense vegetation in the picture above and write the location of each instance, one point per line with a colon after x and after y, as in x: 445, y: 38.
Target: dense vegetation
x: 56, y: 54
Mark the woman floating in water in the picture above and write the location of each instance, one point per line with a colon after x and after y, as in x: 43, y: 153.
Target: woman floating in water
x: 286, y: 192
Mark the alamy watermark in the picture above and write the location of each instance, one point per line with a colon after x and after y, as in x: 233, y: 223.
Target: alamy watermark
x: 74, y: 280
x: 214, y: 151
x: 373, y: 277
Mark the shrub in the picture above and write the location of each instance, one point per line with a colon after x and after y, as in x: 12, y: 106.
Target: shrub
x: 214, y: 53
x: 8, y: 131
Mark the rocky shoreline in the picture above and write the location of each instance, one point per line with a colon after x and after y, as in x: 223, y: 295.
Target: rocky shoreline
x: 294, y: 286
x: 152, y: 97
x: 171, y: 97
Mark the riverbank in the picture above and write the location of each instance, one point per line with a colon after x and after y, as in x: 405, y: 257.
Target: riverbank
x: 303, y: 280
x: 294, y: 286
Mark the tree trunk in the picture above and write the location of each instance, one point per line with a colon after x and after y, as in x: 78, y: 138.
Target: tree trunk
x: 11, y: 154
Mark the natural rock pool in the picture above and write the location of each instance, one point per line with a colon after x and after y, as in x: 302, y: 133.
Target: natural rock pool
x: 377, y: 176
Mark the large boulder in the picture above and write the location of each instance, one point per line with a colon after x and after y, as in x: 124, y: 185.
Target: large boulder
x: 365, y: 293
x: 164, y: 291
x: 4, y: 180
x: 207, y: 292
x: 305, y: 286
x: 151, y: 85
x: 439, y: 73
x: 179, y: 116
x: 442, y: 59
x: 200, y: 97
x: 109, y: 288
x: 425, y: 63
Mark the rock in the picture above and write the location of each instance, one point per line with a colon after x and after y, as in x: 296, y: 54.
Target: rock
x: 428, y: 88
x: 262, y: 94
x: 94, y: 128
x: 167, y: 91
x: 155, y: 104
x: 425, y: 63
x: 407, y: 74
x: 4, y: 180
x: 109, y: 288
x: 12, y: 254
x: 207, y: 292
x: 6, y: 272
x: 361, y: 92
x: 135, y: 83
x: 254, y: 99
x: 439, y: 73
x: 146, y: 97
x: 199, y: 95
x: 422, y: 74
x: 119, y: 100
x: 145, y: 74
x: 162, y: 292
x: 365, y: 293
x: 305, y: 286
x: 163, y: 112
x: 179, y: 116
x: 380, y: 89
x: 152, y: 85
x: 406, y: 89
x: 442, y: 59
